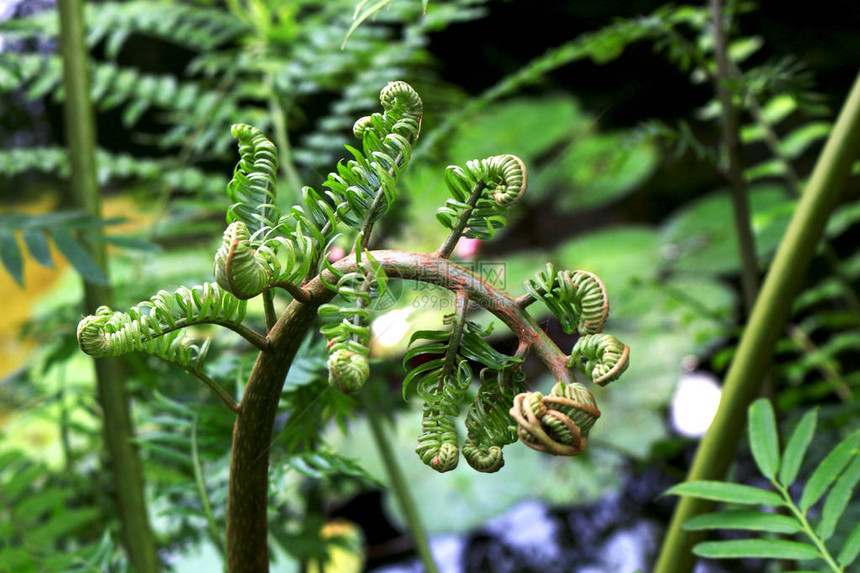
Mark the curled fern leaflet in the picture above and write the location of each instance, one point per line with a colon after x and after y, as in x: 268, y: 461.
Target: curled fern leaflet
x: 602, y: 357
x: 489, y: 426
x: 557, y: 423
x: 109, y: 333
x: 481, y: 193
x: 577, y: 298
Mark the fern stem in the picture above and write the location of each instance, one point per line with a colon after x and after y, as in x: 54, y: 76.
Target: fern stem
x: 454, y: 236
x: 399, y: 485
x: 249, y: 334
x: 765, y: 325
x: 298, y: 293
x: 222, y: 394
x: 461, y: 303
x: 808, y: 529
x: 201, y: 490
x: 123, y: 460
x: 269, y: 309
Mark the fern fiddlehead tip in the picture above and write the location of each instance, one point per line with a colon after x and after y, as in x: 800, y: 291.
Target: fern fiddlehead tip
x: 239, y: 268
x: 348, y: 370
x: 557, y: 423
x: 602, y: 357
x: 513, y: 178
x: 402, y: 94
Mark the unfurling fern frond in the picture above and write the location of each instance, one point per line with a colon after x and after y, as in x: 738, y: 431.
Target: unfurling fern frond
x: 557, y: 423
x: 109, y: 333
x: 442, y: 382
x: 577, y: 298
x: 365, y: 186
x: 481, y: 193
x: 349, y: 335
x: 253, y: 188
x: 602, y: 357
x: 241, y: 269
x: 489, y: 426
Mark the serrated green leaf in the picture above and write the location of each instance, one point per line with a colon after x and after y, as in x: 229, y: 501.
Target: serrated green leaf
x: 727, y: 493
x: 829, y: 469
x: 851, y: 548
x: 750, y: 520
x: 10, y: 255
x: 78, y: 257
x: 837, y: 499
x: 38, y: 246
x: 764, y: 440
x: 792, y: 457
x: 759, y: 548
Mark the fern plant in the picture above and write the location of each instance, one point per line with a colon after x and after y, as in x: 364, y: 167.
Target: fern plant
x: 788, y: 515
x: 265, y: 251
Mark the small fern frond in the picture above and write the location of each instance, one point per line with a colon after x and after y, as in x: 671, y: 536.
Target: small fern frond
x: 577, y: 298
x: 253, y: 188
x: 481, y: 194
x: 489, y: 426
x: 109, y: 333
x: 442, y: 379
x: 365, y: 187
x: 348, y: 336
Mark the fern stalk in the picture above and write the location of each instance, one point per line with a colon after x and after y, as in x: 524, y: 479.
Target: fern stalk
x: 118, y: 434
x: 765, y: 325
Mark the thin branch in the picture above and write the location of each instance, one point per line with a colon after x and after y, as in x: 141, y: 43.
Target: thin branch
x: 461, y: 304
x: 201, y: 490
x: 298, y: 293
x: 245, y: 332
x: 454, y: 237
x: 222, y: 394
x: 734, y: 171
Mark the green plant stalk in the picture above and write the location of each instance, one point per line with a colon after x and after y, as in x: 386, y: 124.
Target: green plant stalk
x: 81, y: 141
x: 201, y: 491
x: 399, y: 486
x: 766, y: 323
x: 807, y: 529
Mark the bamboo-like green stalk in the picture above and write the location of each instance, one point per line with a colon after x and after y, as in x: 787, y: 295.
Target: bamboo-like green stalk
x: 124, y: 462
x: 399, y: 486
x: 765, y: 324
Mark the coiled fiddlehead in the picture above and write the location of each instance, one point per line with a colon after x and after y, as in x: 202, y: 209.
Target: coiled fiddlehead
x: 557, y: 423
x: 252, y: 189
x: 488, y: 422
x: 602, y: 357
x: 348, y: 337
x: 109, y: 333
x: 240, y: 268
x: 481, y: 193
x: 442, y: 380
x: 365, y: 186
x: 577, y: 298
